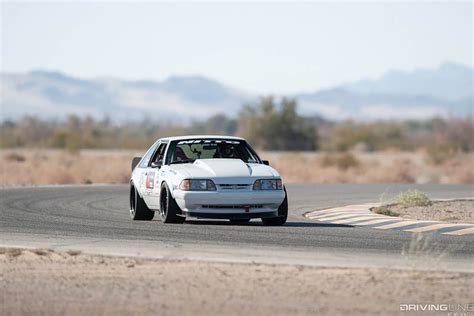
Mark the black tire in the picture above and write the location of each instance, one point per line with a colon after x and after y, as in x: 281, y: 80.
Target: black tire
x: 168, y: 208
x: 138, y: 209
x: 282, y: 214
x: 237, y: 221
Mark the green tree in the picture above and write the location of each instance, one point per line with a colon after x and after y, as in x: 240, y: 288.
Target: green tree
x: 274, y: 126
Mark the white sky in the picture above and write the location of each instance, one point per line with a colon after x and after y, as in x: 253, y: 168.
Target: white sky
x: 259, y: 47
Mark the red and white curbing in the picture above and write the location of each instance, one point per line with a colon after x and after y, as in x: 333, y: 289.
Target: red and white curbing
x: 361, y: 215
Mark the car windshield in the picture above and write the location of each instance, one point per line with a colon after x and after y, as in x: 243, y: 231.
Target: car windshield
x: 187, y: 151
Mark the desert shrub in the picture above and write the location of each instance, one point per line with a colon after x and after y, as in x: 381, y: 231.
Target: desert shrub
x: 70, y: 141
x: 73, y: 253
x: 348, y: 134
x: 449, y: 138
x: 329, y: 160
x: 40, y: 252
x: 385, y: 210
x: 457, y: 133
x: 342, y: 161
x: 347, y: 161
x: 413, y: 198
x: 385, y: 135
x: 273, y: 126
x: 438, y: 154
x: 16, y: 157
x: 13, y: 252
x: 268, y: 124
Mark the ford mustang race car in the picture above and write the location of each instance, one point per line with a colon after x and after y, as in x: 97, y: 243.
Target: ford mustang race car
x: 219, y: 177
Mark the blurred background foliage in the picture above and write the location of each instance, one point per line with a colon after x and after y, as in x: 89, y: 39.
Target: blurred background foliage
x: 277, y: 126
x: 268, y: 125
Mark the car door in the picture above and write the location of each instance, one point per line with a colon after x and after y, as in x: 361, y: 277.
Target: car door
x: 153, y: 174
x: 138, y: 175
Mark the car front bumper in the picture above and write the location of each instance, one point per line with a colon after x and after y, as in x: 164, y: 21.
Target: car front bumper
x: 233, y: 204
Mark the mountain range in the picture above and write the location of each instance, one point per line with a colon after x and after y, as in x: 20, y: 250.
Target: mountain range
x: 419, y: 94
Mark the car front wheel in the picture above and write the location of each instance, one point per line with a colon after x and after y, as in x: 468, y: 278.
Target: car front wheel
x: 282, y: 214
x: 168, y: 207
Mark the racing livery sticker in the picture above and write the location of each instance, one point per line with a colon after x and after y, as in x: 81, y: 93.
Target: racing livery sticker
x: 150, y: 181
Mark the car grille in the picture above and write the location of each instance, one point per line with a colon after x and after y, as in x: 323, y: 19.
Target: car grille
x: 234, y: 186
x: 234, y: 206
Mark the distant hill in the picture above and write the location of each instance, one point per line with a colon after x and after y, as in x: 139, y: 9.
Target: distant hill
x: 422, y: 93
x: 449, y: 82
x: 53, y: 94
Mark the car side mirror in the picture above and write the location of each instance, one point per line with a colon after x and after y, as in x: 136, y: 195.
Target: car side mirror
x: 266, y: 162
x: 135, y: 162
x: 156, y: 164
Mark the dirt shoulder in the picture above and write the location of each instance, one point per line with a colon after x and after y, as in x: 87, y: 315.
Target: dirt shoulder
x: 46, y: 282
x: 456, y: 211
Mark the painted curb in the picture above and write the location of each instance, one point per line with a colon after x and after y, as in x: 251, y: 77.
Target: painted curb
x: 361, y: 215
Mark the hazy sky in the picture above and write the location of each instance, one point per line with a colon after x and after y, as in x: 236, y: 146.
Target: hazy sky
x: 265, y: 47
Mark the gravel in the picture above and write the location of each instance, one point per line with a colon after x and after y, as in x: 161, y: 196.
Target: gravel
x: 456, y: 211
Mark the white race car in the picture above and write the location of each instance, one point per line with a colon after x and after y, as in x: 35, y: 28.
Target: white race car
x: 206, y: 177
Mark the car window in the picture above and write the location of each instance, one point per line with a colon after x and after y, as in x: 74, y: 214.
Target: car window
x: 159, y: 154
x: 190, y: 150
x: 147, y: 157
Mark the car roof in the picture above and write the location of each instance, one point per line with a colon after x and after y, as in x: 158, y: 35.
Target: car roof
x: 173, y: 138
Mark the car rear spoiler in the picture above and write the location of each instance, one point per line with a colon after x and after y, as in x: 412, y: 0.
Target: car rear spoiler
x: 135, y: 162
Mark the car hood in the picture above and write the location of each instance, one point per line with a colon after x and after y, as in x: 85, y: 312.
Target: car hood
x: 224, y: 169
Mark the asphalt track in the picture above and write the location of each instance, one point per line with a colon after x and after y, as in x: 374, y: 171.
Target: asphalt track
x: 95, y: 219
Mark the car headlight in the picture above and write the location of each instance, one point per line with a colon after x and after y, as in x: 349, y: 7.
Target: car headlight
x: 270, y: 184
x: 197, y: 185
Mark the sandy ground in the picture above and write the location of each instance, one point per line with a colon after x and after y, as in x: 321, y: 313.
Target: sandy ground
x: 46, y: 166
x: 46, y: 282
x: 459, y: 211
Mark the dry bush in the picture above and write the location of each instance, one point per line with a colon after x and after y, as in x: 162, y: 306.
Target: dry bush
x: 440, y: 154
x: 413, y: 198
x: 62, y: 167
x: 74, y: 253
x: 385, y: 210
x: 40, y: 252
x: 342, y: 161
x: 329, y: 160
x: 12, y: 252
x: 113, y: 166
x: 347, y: 161
x: 457, y: 133
x: 13, y: 156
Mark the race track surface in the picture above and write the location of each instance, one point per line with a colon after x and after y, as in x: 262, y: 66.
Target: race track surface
x: 95, y: 219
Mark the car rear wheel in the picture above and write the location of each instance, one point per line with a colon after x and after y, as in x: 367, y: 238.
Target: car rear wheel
x: 138, y: 209
x: 168, y: 207
x: 282, y: 214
